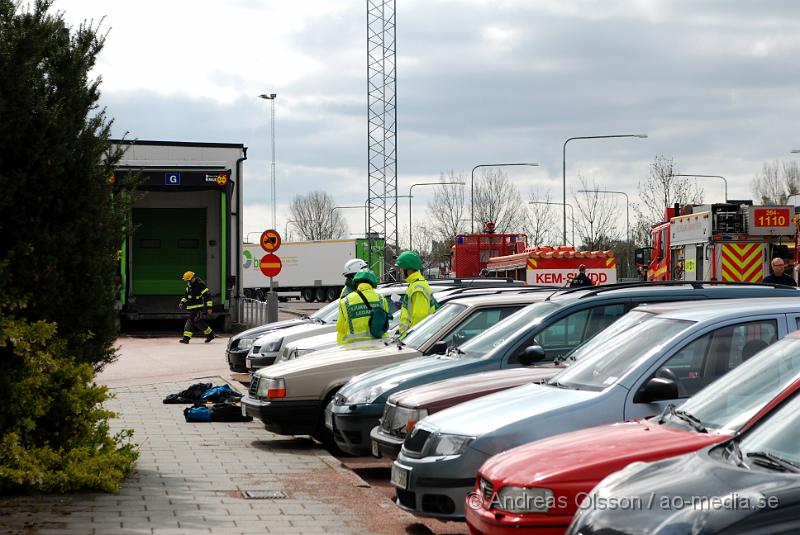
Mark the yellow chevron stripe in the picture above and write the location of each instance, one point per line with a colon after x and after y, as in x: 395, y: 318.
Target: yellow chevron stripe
x: 731, y: 267
x: 609, y: 261
x: 748, y: 275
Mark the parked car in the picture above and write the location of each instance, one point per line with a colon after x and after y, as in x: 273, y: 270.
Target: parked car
x: 327, y: 341
x: 554, y: 326
x: 749, y: 484
x: 675, y: 350
x: 240, y: 344
x: 290, y: 397
x: 566, y: 467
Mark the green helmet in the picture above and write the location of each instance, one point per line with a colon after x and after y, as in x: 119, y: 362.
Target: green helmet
x: 408, y: 260
x: 366, y: 275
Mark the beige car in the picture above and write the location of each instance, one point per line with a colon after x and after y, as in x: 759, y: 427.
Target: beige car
x: 290, y: 397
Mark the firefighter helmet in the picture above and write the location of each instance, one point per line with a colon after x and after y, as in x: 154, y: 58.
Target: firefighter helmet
x: 189, y: 275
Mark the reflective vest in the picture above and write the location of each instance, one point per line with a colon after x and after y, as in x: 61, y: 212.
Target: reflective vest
x: 416, y: 302
x: 352, y: 325
x: 197, y: 295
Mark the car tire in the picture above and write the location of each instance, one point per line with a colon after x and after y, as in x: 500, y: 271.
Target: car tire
x: 323, y: 435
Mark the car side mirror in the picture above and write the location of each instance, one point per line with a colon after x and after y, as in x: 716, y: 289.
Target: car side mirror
x: 438, y: 348
x: 531, y: 354
x: 657, y: 389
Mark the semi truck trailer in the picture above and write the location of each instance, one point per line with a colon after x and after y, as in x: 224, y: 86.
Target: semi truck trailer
x: 311, y: 270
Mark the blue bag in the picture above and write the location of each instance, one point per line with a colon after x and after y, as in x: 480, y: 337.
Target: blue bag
x: 219, y: 393
x: 198, y: 413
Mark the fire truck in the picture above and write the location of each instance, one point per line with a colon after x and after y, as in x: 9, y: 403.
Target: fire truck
x: 554, y: 266
x: 471, y: 252
x: 732, y: 241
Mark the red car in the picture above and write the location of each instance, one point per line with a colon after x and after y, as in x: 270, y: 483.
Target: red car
x: 538, y: 487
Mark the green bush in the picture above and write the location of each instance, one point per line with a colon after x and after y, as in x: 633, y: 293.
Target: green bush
x: 61, y: 224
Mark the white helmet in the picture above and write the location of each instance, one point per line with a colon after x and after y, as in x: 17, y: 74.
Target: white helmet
x: 351, y: 267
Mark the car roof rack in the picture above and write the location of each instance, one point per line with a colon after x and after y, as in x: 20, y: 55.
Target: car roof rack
x: 696, y: 285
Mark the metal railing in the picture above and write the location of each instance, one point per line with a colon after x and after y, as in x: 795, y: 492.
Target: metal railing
x: 252, y: 312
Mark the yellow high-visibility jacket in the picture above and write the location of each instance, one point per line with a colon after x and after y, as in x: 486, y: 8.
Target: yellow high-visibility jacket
x: 416, y: 302
x: 352, y: 325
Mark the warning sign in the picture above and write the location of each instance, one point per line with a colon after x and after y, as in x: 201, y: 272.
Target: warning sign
x: 270, y: 240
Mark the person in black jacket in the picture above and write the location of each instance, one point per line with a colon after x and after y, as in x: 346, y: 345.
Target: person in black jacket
x: 778, y: 276
x: 195, y: 299
x: 581, y: 279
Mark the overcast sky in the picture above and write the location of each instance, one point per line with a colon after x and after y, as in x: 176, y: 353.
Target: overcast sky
x: 713, y: 83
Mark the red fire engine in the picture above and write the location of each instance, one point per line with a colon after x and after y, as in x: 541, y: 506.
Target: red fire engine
x: 555, y: 265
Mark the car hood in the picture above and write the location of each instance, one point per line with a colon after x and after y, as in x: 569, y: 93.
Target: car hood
x: 293, y: 333
x: 402, y: 372
x: 513, y: 407
x: 329, y: 359
x: 255, y: 332
x: 687, y: 477
x: 311, y: 342
x: 588, y: 455
x: 440, y: 395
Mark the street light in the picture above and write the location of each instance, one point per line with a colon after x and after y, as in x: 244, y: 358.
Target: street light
x: 296, y: 223
x: 410, y: 243
x: 572, y: 210
x: 247, y: 238
x: 472, y: 187
x: 271, y: 98
x: 710, y: 176
x: 627, y: 220
x: 360, y: 207
x: 564, y: 166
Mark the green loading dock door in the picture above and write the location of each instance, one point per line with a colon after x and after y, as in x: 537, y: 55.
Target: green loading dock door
x: 166, y: 243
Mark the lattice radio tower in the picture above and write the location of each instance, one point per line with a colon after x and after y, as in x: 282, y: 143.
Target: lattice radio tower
x: 381, y: 125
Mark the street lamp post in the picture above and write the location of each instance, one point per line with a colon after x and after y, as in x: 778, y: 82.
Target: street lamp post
x: 627, y: 210
x: 357, y: 206
x: 724, y: 180
x: 472, y: 186
x: 296, y: 222
x: 564, y: 166
x: 271, y: 98
x: 410, y: 243
x: 247, y: 237
x: 571, y: 209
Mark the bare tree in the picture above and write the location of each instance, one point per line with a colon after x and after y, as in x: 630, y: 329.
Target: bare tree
x: 498, y: 200
x: 448, y: 208
x: 776, y: 182
x: 661, y: 189
x: 541, y: 220
x: 595, y: 217
x: 314, y: 217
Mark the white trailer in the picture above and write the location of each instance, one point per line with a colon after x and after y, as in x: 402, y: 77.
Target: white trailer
x: 311, y: 269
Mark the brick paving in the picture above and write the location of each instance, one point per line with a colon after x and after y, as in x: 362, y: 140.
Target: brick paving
x: 190, y: 478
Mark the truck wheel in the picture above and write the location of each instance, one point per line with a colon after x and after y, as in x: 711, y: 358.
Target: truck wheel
x: 321, y: 294
x: 248, y: 293
x: 309, y: 295
x: 333, y: 294
x: 261, y: 294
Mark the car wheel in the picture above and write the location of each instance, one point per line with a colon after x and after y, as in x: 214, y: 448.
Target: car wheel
x: 323, y: 435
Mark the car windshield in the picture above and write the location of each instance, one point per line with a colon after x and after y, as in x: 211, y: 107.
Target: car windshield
x: 327, y: 314
x: 777, y: 437
x: 729, y: 402
x: 518, y: 323
x: 618, y: 355
x: 597, y: 342
x: 424, y: 330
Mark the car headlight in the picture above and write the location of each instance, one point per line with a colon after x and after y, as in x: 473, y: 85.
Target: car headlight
x: 450, y: 444
x: 366, y: 396
x: 245, y: 343
x: 272, y: 347
x: 404, y: 419
x: 272, y: 388
x: 524, y: 499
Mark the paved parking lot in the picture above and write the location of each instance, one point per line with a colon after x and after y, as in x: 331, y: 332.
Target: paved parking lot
x: 194, y: 478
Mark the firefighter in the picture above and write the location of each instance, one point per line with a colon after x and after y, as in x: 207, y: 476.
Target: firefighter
x: 582, y: 279
x: 351, y: 267
x: 418, y: 302
x: 355, y: 309
x: 778, y: 276
x: 195, y: 299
